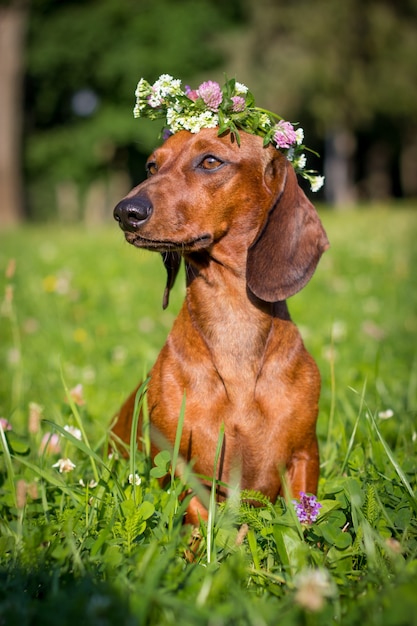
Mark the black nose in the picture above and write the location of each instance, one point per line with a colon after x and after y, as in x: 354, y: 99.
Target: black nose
x: 132, y: 213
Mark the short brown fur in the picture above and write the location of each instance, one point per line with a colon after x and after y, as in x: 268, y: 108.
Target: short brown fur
x: 250, y: 239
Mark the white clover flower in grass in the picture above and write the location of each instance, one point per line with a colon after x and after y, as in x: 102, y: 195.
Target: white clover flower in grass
x: 64, y: 465
x: 75, y: 432
x: 90, y: 485
x: 313, y: 586
x: 134, y: 479
x: 386, y: 415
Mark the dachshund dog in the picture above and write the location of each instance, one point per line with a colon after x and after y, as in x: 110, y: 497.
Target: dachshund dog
x: 250, y: 239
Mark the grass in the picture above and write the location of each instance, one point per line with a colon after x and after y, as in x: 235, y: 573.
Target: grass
x: 83, y: 308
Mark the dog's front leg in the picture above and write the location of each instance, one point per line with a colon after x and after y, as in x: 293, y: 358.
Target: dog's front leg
x: 304, y: 470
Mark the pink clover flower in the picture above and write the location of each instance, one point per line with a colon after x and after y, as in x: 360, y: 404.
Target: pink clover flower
x: 285, y: 135
x: 211, y: 94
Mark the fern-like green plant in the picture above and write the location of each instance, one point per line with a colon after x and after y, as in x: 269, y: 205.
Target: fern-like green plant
x: 371, y: 505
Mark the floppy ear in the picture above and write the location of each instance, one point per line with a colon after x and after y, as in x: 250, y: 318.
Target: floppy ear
x: 284, y: 256
x: 172, y: 262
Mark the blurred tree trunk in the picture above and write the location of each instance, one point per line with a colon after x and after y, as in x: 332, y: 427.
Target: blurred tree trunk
x: 408, y: 163
x: 338, y: 157
x: 12, y: 28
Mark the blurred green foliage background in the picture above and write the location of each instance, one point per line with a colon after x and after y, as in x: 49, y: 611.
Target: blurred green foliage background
x: 71, y: 148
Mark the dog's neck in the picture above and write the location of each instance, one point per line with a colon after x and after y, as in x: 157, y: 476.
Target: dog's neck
x: 231, y: 321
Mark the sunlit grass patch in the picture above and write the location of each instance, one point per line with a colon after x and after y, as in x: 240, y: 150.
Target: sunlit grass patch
x: 94, y: 538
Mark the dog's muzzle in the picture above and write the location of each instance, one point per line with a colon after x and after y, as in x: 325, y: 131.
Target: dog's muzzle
x: 132, y: 213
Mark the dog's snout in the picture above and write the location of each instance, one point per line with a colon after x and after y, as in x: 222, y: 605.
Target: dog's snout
x: 132, y: 213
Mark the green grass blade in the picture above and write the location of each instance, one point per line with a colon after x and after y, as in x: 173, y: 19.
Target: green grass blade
x: 397, y: 467
x: 333, y: 393
x: 80, y: 425
x: 355, y: 427
x: 212, y: 501
x: 134, y: 429
x: 178, y: 435
x: 8, y: 463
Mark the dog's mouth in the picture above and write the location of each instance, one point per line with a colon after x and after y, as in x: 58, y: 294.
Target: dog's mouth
x: 197, y: 243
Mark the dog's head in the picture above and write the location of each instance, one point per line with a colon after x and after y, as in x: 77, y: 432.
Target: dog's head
x: 241, y: 204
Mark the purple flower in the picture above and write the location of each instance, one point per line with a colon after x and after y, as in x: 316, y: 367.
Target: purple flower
x: 166, y: 133
x: 238, y: 104
x: 211, y: 94
x: 284, y: 135
x: 307, y: 509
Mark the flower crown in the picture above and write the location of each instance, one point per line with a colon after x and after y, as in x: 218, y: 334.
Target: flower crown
x: 230, y: 108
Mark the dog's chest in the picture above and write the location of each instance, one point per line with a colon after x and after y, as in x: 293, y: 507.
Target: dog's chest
x: 235, y: 333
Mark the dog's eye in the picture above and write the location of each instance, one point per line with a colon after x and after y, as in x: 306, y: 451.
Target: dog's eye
x: 151, y: 168
x: 210, y: 163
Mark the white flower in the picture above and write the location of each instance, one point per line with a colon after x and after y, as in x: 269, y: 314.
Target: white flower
x: 143, y: 88
x: 385, y: 415
x: 183, y: 111
x: 166, y: 85
x: 300, y: 162
x: 75, y: 432
x: 265, y: 121
x: 240, y: 89
x: 91, y: 484
x: 193, y: 123
x: 154, y: 100
x: 299, y: 134
x: 136, y: 479
x: 207, y: 119
x: 317, y: 182
x: 313, y: 587
x: 175, y: 120
x: 76, y: 394
x: 64, y: 465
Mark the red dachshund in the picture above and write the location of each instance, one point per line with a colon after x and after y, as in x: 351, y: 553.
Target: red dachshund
x: 250, y: 239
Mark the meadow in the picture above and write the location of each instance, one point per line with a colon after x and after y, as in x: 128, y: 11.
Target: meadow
x: 97, y: 541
